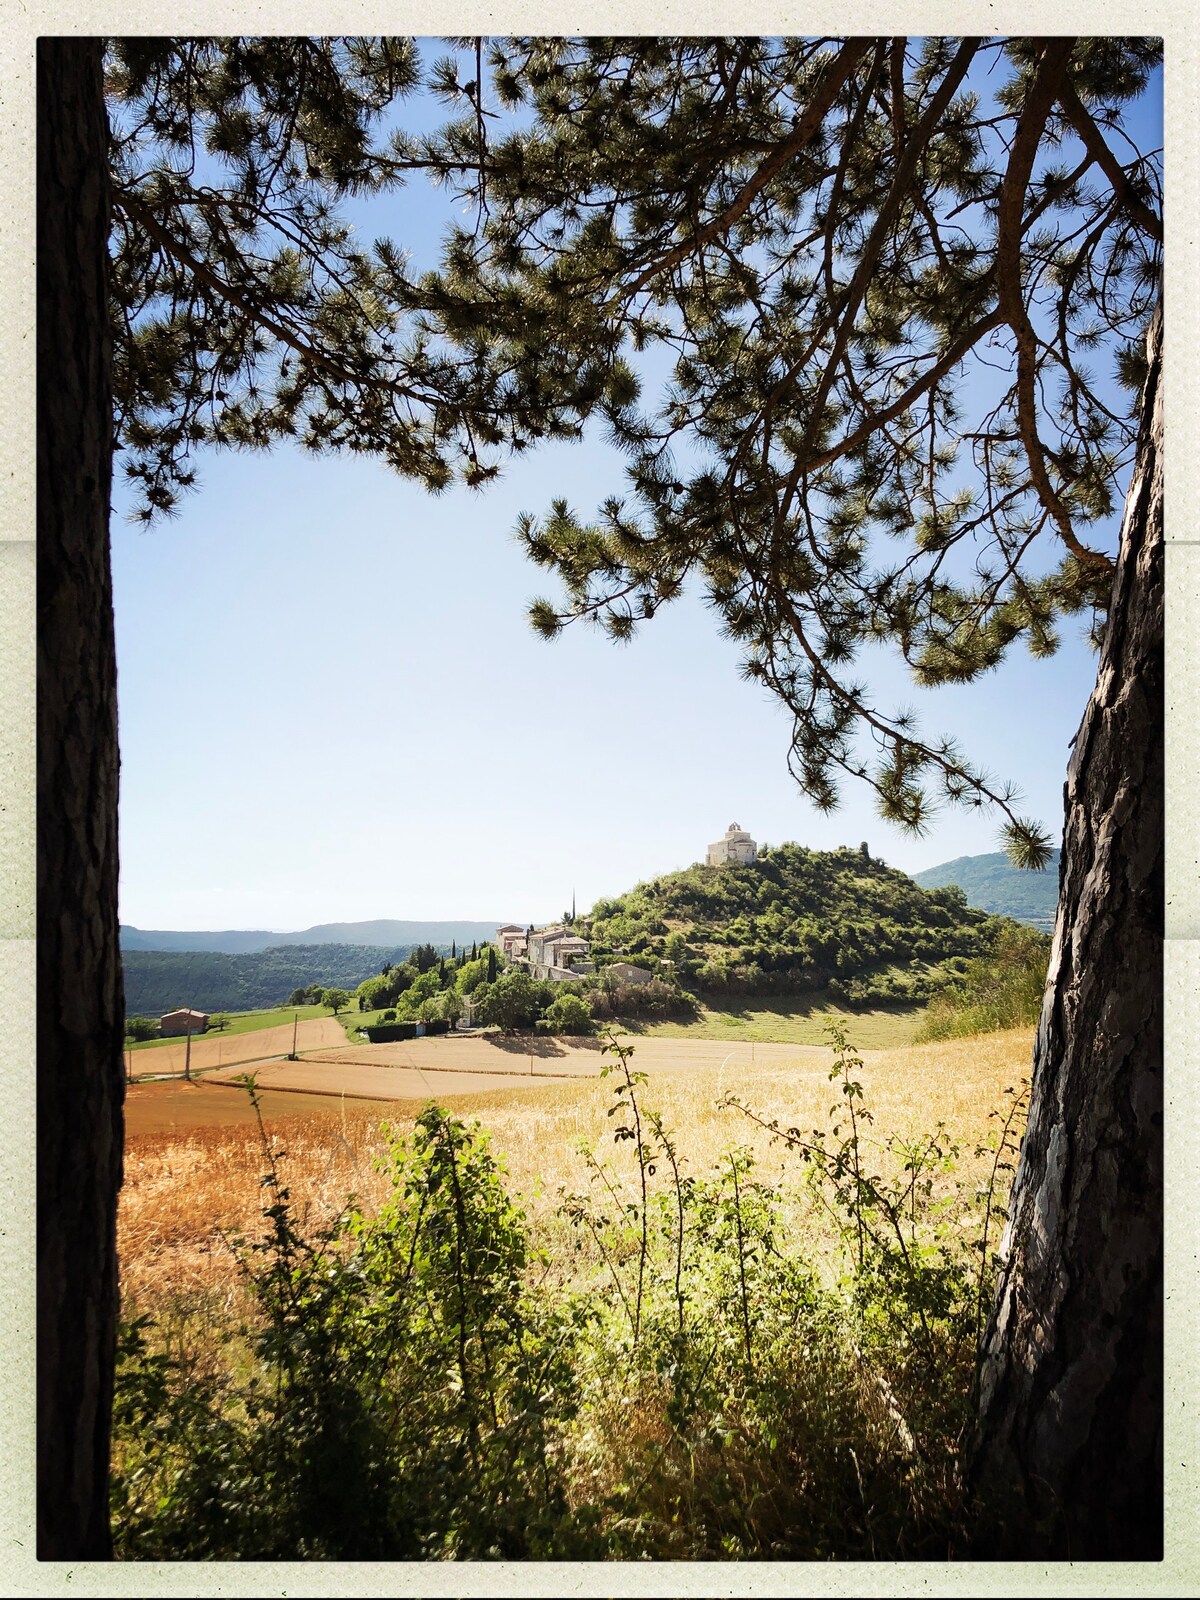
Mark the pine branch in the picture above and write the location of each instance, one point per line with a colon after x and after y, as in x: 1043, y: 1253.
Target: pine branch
x: 832, y: 80
x: 1039, y: 101
x: 1097, y: 148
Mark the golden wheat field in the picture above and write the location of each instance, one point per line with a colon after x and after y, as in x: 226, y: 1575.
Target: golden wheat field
x: 190, y: 1185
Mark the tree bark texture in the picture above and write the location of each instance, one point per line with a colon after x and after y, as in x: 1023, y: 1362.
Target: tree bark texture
x: 1069, y: 1456
x: 80, y: 1002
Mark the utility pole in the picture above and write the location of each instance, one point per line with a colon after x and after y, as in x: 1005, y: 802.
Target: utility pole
x: 295, y: 1022
x: 187, y: 1058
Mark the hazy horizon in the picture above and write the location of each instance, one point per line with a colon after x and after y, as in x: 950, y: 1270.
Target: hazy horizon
x: 453, y: 918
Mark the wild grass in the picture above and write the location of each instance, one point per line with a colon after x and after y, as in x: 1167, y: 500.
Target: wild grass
x: 716, y: 1315
x: 1002, y: 990
x: 790, y: 1019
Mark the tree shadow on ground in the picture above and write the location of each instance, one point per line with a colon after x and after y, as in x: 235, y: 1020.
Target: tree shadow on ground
x: 525, y: 1044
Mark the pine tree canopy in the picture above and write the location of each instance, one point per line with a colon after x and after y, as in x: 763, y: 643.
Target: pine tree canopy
x: 245, y: 308
x: 866, y: 316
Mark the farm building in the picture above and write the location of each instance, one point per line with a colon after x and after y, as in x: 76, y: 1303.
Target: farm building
x: 176, y: 1023
x: 735, y: 849
x: 558, y: 954
x: 628, y: 973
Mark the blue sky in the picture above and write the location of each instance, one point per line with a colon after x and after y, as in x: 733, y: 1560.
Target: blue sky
x: 332, y: 707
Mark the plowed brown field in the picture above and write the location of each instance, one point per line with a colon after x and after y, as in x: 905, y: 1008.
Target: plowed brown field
x: 176, y: 1107
x: 413, y: 1071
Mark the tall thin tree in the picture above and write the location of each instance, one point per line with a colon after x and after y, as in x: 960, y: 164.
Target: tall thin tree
x: 80, y: 1012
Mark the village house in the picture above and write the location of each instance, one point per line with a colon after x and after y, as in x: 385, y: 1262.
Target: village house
x: 553, y: 952
x: 510, y: 940
x: 626, y: 972
x: 177, y: 1023
x: 735, y: 849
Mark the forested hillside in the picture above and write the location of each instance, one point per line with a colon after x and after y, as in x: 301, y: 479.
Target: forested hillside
x: 159, y: 980
x: 798, y: 919
x: 994, y: 884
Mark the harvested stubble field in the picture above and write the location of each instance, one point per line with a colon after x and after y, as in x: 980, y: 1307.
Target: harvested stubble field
x: 190, y: 1187
x: 212, y: 1050
x: 425, y: 1069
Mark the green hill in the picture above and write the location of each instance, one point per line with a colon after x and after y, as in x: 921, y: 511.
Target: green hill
x: 157, y: 981
x: 993, y: 884
x: 797, y: 920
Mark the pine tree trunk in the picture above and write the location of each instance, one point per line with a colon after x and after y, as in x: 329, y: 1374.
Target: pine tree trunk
x: 1069, y: 1459
x: 79, y: 990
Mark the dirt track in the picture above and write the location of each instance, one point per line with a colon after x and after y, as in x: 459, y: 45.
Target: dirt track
x: 217, y: 1050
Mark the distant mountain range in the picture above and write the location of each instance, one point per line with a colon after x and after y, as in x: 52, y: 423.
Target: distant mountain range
x: 993, y: 884
x: 384, y: 932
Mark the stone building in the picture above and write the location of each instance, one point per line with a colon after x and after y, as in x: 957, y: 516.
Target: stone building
x: 627, y: 972
x: 735, y: 849
x: 553, y: 952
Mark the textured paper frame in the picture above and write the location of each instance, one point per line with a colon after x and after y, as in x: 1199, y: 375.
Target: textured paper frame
x: 1179, y: 1573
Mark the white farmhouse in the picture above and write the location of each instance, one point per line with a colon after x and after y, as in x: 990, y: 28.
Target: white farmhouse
x: 736, y: 848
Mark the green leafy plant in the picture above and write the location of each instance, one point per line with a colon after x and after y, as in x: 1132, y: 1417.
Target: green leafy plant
x: 1003, y: 988
x: 395, y: 1389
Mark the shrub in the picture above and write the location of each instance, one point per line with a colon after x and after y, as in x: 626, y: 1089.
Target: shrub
x: 569, y: 1013
x: 401, y: 1393
x: 139, y: 1028
x: 1001, y: 990
x: 657, y: 998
